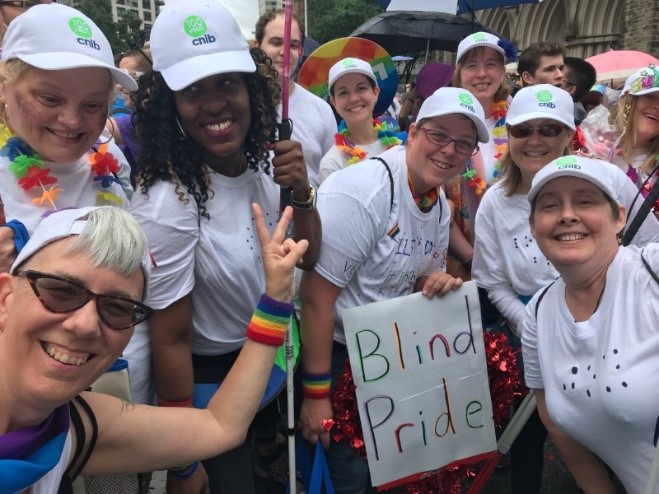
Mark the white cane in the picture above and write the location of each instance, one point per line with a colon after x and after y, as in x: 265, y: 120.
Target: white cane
x: 290, y: 407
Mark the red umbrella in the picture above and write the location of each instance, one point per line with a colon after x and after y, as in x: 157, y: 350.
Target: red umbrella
x: 620, y: 64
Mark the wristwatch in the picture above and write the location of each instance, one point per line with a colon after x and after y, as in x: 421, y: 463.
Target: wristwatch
x: 309, y: 204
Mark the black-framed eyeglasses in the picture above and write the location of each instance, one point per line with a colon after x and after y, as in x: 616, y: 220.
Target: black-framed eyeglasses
x: 60, y: 295
x: 522, y: 131
x: 19, y: 4
x: 438, y: 138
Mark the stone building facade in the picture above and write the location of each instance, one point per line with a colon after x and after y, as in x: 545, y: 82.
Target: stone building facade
x: 588, y: 27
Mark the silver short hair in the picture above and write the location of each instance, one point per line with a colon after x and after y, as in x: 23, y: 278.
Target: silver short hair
x: 113, y: 239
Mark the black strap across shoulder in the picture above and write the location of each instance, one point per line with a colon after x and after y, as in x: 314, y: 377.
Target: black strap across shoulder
x: 391, y: 181
x: 391, y: 188
x: 654, y: 275
x: 649, y: 268
x: 544, y: 291
x: 83, y: 448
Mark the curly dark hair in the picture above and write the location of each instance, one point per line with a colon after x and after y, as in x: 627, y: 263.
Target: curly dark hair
x: 168, y: 155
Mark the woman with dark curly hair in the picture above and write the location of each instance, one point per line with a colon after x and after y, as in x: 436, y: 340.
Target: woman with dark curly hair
x: 206, y: 121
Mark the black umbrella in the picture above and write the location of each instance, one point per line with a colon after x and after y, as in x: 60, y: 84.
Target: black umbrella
x: 401, y: 33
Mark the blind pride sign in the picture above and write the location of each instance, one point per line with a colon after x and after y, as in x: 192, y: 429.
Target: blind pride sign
x: 421, y: 376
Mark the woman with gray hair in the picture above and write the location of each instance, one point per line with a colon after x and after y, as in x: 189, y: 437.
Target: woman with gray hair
x: 50, y: 427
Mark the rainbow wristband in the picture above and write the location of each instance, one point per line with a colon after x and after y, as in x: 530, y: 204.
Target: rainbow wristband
x: 269, y: 322
x: 316, y: 386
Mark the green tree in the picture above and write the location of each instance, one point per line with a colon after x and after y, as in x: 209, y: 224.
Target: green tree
x: 331, y: 19
x: 120, y: 34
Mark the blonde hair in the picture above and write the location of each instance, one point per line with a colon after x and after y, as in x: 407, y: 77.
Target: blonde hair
x: 511, y: 176
x: 504, y: 88
x: 624, y: 119
x: 12, y: 70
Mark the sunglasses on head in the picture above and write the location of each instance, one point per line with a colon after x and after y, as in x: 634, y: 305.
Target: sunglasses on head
x: 60, y: 295
x: 545, y: 130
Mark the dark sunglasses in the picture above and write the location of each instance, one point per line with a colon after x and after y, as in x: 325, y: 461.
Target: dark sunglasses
x: 545, y: 130
x: 20, y: 4
x: 61, y: 295
x: 440, y: 139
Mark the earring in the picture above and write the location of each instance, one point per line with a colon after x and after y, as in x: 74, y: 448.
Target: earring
x: 184, y: 136
x: 111, y: 133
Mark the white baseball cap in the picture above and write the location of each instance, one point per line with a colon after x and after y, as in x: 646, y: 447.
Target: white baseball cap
x: 66, y: 223
x: 196, y: 39
x: 643, y: 81
x: 449, y: 100
x: 350, y: 66
x: 57, y: 37
x: 541, y: 101
x: 598, y: 172
x: 479, y: 39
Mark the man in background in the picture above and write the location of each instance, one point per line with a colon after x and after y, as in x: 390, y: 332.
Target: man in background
x: 542, y: 63
x: 579, y: 76
x: 314, y: 125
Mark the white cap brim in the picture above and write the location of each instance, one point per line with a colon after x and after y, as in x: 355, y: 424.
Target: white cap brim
x: 186, y: 72
x: 481, y: 129
x: 642, y: 91
x: 534, y: 115
x: 367, y: 73
x: 486, y: 44
x: 67, y: 60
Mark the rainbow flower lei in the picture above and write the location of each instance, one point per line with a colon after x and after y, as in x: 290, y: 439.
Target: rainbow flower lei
x: 387, y: 133
x: 499, y: 109
x: 31, y: 172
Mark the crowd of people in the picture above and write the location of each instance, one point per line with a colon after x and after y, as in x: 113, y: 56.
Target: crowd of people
x: 151, y: 185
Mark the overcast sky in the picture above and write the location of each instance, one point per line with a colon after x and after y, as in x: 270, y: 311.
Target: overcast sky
x: 246, y: 13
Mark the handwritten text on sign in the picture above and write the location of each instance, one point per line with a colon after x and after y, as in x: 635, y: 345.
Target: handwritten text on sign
x: 421, y: 376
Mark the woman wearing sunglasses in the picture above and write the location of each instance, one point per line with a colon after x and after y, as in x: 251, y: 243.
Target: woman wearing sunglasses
x: 507, y: 261
x: 50, y: 428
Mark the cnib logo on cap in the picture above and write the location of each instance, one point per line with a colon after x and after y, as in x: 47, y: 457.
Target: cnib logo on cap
x: 567, y: 162
x: 349, y: 64
x: 81, y: 29
x: 467, y: 102
x: 479, y: 37
x: 544, y: 99
x: 195, y: 27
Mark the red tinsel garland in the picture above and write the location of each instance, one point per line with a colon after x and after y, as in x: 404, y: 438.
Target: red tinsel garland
x: 505, y: 389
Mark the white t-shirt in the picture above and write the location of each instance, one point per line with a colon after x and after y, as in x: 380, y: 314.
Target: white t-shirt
x: 218, y: 260
x: 314, y: 127
x: 507, y: 260
x: 76, y: 181
x: 601, y: 376
x: 372, y: 251
x: 335, y: 159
